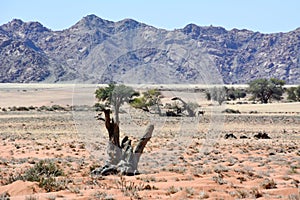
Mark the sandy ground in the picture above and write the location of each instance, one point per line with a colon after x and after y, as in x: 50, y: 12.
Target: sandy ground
x: 187, y: 158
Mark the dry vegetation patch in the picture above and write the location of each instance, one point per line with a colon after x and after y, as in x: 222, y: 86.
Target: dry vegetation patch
x: 47, y: 143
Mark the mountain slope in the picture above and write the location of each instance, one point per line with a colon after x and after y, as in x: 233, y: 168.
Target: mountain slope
x: 100, y: 51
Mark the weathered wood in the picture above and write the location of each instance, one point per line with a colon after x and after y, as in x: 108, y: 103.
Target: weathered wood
x: 142, y: 143
x: 112, y: 128
x: 122, y: 158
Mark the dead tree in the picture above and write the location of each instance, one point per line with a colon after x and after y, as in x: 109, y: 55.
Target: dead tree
x: 122, y: 157
x: 186, y: 107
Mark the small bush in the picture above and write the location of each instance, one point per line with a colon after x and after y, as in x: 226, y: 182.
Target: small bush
x: 44, y: 172
x: 256, y: 193
x: 22, y: 108
x: 5, y: 196
x: 253, y: 112
x: 58, y: 107
x: 268, y: 184
x: 172, y: 190
x: 45, y: 108
x: 44, y: 168
x: 203, y: 195
x: 231, y: 111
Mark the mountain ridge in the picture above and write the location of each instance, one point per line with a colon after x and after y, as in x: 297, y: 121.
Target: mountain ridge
x: 95, y: 50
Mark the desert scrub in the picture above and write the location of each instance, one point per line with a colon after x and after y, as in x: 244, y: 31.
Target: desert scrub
x: 172, y: 190
x: 147, y: 179
x: 44, y: 168
x: 231, y: 111
x: 189, y: 192
x: 103, y: 195
x: 130, y: 188
x: 220, y: 168
x: 203, y: 195
x: 5, y: 196
x: 268, y: 184
x: 45, y: 172
x: 31, y: 198
x: 255, y: 193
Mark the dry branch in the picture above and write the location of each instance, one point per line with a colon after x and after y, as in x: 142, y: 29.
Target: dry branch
x: 122, y: 158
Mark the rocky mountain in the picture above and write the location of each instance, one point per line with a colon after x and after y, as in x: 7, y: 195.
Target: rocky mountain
x: 95, y: 50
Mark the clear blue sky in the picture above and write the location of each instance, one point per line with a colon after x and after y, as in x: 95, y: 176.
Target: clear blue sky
x: 267, y: 16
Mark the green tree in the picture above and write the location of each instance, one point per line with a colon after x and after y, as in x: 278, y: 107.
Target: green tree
x: 265, y: 90
x: 116, y: 96
x: 149, y: 99
x: 298, y: 93
x: 293, y: 93
x: 235, y: 93
x: 218, y: 94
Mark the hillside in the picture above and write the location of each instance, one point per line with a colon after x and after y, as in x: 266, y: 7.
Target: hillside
x: 95, y: 50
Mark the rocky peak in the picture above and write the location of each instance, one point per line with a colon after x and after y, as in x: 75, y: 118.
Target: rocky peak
x: 25, y: 27
x: 128, y: 24
x: 192, y: 30
x: 91, y: 22
x: 12, y: 26
x: 196, y: 31
x: 19, y: 29
x: 35, y: 27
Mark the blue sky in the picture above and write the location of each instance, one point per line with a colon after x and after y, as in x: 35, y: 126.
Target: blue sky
x: 267, y: 16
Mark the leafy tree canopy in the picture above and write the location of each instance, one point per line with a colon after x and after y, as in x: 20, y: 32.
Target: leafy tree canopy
x: 265, y: 90
x: 116, y: 96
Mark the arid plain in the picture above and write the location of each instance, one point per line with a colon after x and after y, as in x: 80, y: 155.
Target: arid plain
x: 215, y: 156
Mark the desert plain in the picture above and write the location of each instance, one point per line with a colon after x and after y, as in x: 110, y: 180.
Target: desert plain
x: 217, y: 155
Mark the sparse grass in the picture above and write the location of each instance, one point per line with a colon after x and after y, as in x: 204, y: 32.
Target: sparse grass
x: 242, y: 194
x: 293, y: 170
x: 172, y: 190
x: 147, y: 179
x: 189, y: 192
x: 130, y: 188
x: 253, y: 166
x: 51, y: 197
x: 201, y: 171
x: 179, y: 170
x: 255, y: 193
x: 31, y: 198
x: 103, y: 196
x: 220, y: 168
x: 44, y: 172
x: 293, y: 197
x: 219, y: 179
x: 203, y: 195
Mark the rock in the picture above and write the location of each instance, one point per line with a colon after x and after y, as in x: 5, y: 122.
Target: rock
x: 230, y: 136
x: 262, y: 135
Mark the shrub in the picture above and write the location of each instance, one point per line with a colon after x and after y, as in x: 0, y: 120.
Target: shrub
x: 44, y: 168
x: 172, y: 190
x: 228, y: 110
x: 22, y: 108
x: 58, y: 107
x: 5, y: 196
x: 268, y: 184
x: 44, y: 172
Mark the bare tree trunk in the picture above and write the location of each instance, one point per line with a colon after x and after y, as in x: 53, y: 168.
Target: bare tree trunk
x: 122, y: 158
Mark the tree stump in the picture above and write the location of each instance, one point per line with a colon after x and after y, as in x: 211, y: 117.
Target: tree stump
x: 123, y: 158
